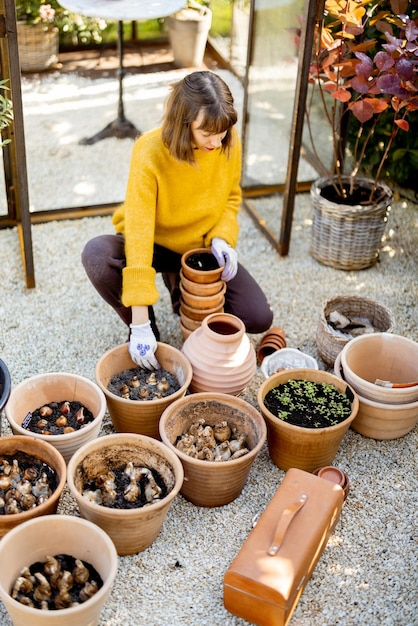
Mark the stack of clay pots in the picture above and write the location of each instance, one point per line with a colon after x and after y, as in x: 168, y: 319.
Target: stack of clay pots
x: 202, y: 292
x: 273, y: 340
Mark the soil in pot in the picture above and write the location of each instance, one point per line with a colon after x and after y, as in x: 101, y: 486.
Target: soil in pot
x: 202, y: 261
x: 58, y: 418
x: 25, y: 482
x: 128, y: 486
x: 308, y: 404
x: 357, y: 196
x: 59, y: 582
x: 140, y: 384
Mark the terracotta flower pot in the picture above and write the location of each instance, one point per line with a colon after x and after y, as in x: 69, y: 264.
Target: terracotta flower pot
x: 135, y: 416
x: 386, y: 357
x: 213, y: 483
x: 201, y: 289
x: 200, y: 275
x: 32, y: 393
x: 49, y: 536
x: 132, y: 530
x: 203, y: 302
x: 274, y: 339
x: 381, y: 420
x: 188, y: 323
x: 46, y: 453
x: 222, y: 357
x: 198, y: 315
x: 5, y: 385
x: 295, y: 446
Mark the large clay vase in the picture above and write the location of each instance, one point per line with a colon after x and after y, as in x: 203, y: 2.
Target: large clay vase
x: 33, y: 392
x: 222, y: 357
x: 44, y: 452
x: 295, y: 446
x: 213, y: 483
x: 52, y: 535
x: 135, y: 416
x: 132, y: 530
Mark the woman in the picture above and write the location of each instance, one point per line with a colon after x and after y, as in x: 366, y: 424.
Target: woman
x: 183, y: 193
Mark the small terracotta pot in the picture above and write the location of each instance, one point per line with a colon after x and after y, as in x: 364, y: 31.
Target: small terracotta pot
x: 135, y: 416
x: 5, y: 385
x: 200, y: 276
x: 41, y: 389
x: 201, y: 289
x: 203, y: 302
x: 274, y: 339
x: 185, y: 332
x: 132, y: 530
x: 49, y: 536
x: 221, y: 354
x: 188, y: 323
x: 46, y: 453
x: 334, y: 475
x: 380, y: 420
x: 295, y: 446
x: 199, y: 314
x: 212, y: 483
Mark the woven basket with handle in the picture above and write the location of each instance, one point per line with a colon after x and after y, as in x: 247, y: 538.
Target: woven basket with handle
x: 329, y: 341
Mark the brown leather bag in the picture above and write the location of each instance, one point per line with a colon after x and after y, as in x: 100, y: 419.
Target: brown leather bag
x: 265, y: 580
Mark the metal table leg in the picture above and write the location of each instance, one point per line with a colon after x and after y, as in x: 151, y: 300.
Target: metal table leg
x: 120, y: 127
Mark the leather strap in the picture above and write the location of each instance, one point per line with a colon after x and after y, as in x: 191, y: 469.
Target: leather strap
x: 283, y: 524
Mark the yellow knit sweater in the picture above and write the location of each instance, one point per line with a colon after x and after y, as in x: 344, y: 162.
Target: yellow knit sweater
x: 174, y: 204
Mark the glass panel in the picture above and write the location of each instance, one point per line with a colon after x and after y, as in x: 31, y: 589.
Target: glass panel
x: 271, y: 90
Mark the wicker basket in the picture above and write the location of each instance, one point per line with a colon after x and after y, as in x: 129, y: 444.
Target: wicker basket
x: 38, y: 46
x: 330, y: 342
x: 348, y: 237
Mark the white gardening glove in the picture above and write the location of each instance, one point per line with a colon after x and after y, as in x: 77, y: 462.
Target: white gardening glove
x: 142, y: 346
x: 225, y: 255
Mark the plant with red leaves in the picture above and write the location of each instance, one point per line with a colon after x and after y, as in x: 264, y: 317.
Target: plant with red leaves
x: 365, y: 62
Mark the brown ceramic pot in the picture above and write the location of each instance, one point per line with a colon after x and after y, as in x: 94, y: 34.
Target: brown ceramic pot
x: 135, y: 416
x: 213, y: 483
x: 46, y: 453
x: 206, y: 302
x: 32, y: 393
x: 201, y: 289
x: 222, y: 357
x: 51, y: 535
x: 274, y: 339
x: 295, y: 446
x: 196, y: 275
x: 132, y: 530
x: 199, y: 314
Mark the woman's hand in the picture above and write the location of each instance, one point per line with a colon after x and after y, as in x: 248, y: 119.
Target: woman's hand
x: 142, y: 346
x: 225, y: 255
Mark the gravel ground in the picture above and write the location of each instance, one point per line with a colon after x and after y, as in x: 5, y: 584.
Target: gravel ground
x: 367, y: 573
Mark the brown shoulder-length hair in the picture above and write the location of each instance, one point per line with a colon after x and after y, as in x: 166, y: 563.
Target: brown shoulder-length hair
x: 199, y: 91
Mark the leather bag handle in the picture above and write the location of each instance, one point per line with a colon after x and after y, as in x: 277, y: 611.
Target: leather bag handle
x: 284, y: 522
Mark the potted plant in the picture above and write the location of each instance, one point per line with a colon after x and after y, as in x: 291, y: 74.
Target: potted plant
x: 6, y: 110
x: 188, y: 31
x: 313, y: 439
x: 363, y: 66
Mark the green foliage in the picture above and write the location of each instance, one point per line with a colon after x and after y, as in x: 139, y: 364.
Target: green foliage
x: 6, y: 110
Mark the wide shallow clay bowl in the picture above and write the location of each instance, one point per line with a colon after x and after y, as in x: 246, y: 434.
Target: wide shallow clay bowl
x: 52, y: 535
x: 201, y: 289
x: 295, y: 446
x: 34, y: 392
x: 380, y: 420
x: 210, y: 483
x: 136, y: 416
x: 132, y: 530
x: 46, y: 453
x: 386, y: 357
x: 196, y: 275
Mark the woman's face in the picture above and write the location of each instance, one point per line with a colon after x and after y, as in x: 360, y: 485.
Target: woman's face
x: 202, y: 139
